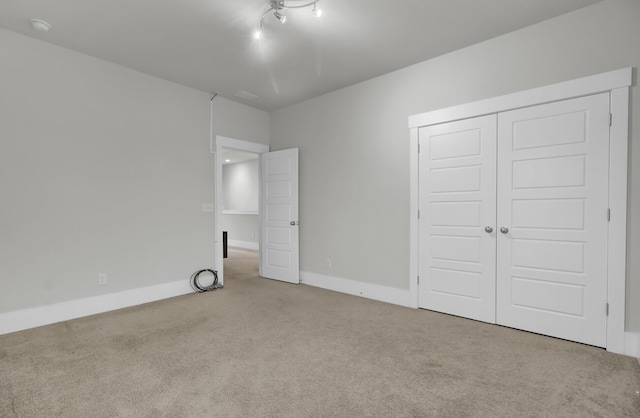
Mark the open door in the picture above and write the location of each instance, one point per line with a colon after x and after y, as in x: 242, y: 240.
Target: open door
x: 279, y: 238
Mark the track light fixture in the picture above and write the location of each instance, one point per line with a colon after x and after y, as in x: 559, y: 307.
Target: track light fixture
x: 280, y: 17
x: 279, y: 6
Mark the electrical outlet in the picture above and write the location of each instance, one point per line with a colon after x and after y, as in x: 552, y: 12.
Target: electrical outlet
x: 207, y: 207
x: 328, y: 263
x: 253, y: 235
x: 102, y: 279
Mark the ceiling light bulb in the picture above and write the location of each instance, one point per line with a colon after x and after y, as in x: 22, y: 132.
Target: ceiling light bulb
x: 257, y: 34
x: 40, y: 25
x: 317, y: 12
x: 282, y: 18
x: 227, y: 161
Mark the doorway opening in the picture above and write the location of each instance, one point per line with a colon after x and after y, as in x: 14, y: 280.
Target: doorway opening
x: 226, y: 149
x: 240, y: 219
x: 278, y: 222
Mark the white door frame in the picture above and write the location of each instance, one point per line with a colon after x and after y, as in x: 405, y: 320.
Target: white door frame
x: 222, y: 143
x: 616, y: 83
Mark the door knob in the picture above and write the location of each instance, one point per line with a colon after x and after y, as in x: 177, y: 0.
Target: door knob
x: 292, y: 223
x: 504, y: 229
x: 488, y: 229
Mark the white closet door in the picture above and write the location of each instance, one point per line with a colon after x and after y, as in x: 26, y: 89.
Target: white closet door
x: 457, y: 201
x: 552, y: 197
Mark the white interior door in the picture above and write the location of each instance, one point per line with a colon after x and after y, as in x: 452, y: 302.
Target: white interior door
x: 279, y: 238
x: 552, y: 198
x: 457, y: 180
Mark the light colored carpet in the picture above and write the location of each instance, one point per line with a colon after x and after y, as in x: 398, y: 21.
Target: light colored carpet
x: 261, y: 348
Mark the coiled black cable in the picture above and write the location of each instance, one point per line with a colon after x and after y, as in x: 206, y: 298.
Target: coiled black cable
x: 195, y: 282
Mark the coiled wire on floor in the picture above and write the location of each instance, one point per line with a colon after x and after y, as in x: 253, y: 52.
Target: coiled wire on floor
x: 195, y: 281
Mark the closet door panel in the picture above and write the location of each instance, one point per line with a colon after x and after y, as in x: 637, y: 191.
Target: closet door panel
x: 457, y: 201
x: 552, y: 197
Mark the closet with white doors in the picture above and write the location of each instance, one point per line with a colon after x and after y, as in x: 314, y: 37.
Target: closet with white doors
x: 513, y: 217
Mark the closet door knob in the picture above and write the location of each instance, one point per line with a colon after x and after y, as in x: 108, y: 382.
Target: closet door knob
x: 504, y: 229
x: 488, y: 229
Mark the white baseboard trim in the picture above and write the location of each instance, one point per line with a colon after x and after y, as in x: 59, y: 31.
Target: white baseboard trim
x: 247, y: 245
x: 352, y: 287
x: 402, y: 297
x: 64, y: 311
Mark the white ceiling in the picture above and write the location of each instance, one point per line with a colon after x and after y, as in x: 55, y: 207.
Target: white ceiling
x: 208, y: 44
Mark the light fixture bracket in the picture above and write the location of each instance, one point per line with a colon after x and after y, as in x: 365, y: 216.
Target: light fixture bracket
x: 279, y: 6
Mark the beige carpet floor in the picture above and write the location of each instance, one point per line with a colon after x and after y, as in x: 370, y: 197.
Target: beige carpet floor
x: 261, y: 348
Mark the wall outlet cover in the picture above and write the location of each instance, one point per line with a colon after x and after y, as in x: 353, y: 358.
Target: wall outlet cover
x: 102, y: 279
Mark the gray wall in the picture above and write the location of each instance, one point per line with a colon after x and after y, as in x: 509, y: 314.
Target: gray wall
x: 240, y: 184
x: 241, y: 228
x: 102, y: 170
x: 354, y: 143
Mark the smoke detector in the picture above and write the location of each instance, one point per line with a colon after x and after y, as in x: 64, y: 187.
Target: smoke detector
x: 40, y: 25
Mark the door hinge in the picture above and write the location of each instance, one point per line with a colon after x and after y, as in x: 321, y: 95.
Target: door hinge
x: 418, y: 214
x: 418, y: 147
x: 418, y: 279
x: 609, y: 215
x: 607, y: 308
x: 610, y: 119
